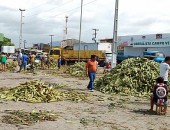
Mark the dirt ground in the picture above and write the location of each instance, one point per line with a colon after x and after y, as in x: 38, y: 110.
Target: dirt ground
x: 101, y: 112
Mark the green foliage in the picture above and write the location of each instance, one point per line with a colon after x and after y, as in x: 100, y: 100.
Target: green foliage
x: 6, y: 42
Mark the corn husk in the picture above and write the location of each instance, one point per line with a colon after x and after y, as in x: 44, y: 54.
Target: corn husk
x: 134, y: 76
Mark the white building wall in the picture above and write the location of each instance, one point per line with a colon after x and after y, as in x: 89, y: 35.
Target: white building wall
x: 85, y: 46
x: 107, y: 47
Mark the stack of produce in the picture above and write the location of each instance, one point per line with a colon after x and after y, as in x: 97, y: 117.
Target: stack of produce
x: 134, y: 76
x: 78, y: 69
x: 53, y: 65
x: 28, y: 118
x: 37, y: 91
x: 11, y: 65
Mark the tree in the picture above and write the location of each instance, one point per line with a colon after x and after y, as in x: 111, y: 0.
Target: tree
x: 6, y: 42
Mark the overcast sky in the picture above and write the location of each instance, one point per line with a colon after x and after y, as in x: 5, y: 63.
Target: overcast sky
x: 45, y: 17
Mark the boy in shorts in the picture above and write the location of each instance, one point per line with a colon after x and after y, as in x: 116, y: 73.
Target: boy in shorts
x: 160, y: 91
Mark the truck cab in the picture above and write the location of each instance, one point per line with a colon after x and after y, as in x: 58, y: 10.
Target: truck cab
x: 55, y: 53
x: 154, y: 55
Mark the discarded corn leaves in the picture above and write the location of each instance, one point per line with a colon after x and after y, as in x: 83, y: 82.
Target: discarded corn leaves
x: 52, y: 65
x: 134, y: 76
x: 11, y: 65
x: 27, y: 118
x: 36, y: 91
x: 78, y: 69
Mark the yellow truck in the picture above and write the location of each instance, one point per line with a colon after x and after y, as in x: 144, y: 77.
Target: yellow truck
x: 71, y: 56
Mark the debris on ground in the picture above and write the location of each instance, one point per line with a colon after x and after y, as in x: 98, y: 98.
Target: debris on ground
x: 21, y: 117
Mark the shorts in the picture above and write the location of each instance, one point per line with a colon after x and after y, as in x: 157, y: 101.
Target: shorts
x: 165, y: 102
x: 3, y: 63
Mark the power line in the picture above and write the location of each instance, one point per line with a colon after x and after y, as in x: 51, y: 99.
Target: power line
x: 53, y: 8
x: 37, y: 6
x: 75, y: 8
x: 67, y: 11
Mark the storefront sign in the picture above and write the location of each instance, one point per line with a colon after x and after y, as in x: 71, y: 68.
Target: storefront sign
x: 152, y: 44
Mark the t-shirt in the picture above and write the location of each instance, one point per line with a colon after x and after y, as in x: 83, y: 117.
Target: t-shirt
x: 42, y: 57
x: 19, y: 56
x: 164, y: 68
x: 91, y: 66
x: 3, y: 58
x: 157, y: 86
x: 24, y: 59
x: 32, y: 58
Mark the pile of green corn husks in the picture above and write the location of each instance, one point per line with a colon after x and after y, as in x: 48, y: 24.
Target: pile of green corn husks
x: 78, y: 69
x: 52, y: 65
x: 27, y: 118
x: 134, y: 76
x: 36, y: 91
x: 11, y: 65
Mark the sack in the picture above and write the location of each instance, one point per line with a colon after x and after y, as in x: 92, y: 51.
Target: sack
x: 17, y: 69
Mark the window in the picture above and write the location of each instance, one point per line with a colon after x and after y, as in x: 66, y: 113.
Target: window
x: 85, y: 47
x: 159, y: 55
x: 108, y: 54
x: 158, y: 36
x: 55, y: 52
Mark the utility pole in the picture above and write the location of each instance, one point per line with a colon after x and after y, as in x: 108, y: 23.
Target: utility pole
x: 51, y: 39
x: 95, y: 34
x: 25, y: 44
x: 66, y: 29
x: 80, y: 30
x: 20, y: 37
x: 115, y: 38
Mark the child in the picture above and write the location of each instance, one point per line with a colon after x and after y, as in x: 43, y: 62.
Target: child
x: 3, y: 61
x: 108, y: 67
x: 160, y: 91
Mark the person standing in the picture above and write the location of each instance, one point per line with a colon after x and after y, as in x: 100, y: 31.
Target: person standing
x: 91, y: 68
x: 32, y: 59
x: 19, y: 58
x: 59, y: 62
x: 42, y: 61
x: 48, y: 62
x: 3, y: 61
x: 24, y: 61
x: 164, y: 69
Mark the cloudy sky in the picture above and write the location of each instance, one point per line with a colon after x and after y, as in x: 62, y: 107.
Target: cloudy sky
x: 45, y: 17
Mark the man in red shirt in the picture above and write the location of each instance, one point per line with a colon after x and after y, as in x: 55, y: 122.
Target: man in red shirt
x: 91, y: 68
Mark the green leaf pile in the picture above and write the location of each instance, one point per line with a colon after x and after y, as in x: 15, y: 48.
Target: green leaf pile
x: 134, y: 76
x: 36, y: 91
x: 78, y: 69
x: 27, y: 118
